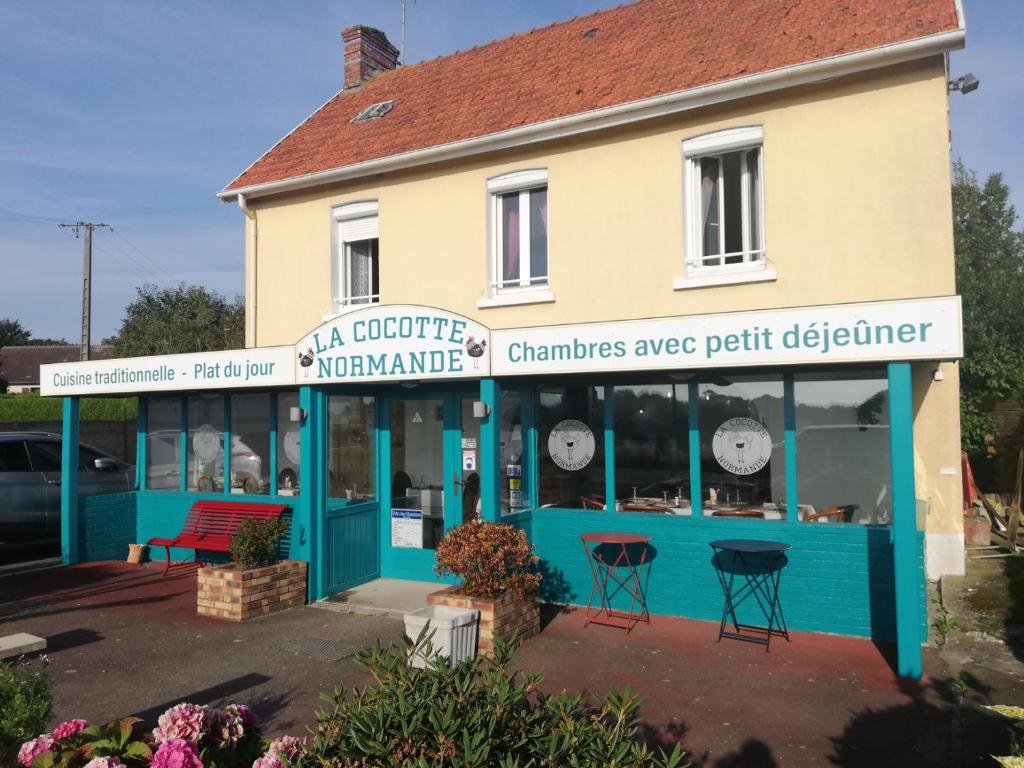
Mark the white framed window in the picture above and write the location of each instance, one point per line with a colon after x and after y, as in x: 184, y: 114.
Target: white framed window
x: 724, y: 198
x: 518, y: 204
x: 356, y: 267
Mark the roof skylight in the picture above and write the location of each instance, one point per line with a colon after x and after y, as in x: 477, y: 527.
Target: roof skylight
x: 374, y: 111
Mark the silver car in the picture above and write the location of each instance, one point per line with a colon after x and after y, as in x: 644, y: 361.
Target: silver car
x: 30, y: 464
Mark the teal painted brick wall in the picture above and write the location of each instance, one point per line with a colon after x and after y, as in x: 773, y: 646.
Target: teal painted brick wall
x: 163, y: 513
x: 838, y: 579
x: 106, y: 526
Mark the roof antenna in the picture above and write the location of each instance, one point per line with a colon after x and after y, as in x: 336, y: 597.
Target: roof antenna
x: 401, y: 49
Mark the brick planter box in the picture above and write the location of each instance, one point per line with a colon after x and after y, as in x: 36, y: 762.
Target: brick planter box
x: 228, y: 592
x: 501, y: 616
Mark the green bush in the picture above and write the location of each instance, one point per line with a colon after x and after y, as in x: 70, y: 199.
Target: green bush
x: 257, y: 541
x: 31, y: 407
x: 24, y: 708
x: 477, y: 714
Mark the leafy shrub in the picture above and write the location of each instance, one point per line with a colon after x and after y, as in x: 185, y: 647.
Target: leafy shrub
x: 476, y: 714
x: 1016, y: 717
x: 24, y: 708
x: 490, y: 559
x: 29, y: 406
x: 257, y: 541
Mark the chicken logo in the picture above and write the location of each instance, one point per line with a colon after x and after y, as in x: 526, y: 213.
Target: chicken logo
x: 742, y: 446
x: 571, y: 444
x: 306, y: 361
x: 475, y: 349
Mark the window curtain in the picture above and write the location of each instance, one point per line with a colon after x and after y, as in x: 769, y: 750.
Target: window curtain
x: 510, y: 205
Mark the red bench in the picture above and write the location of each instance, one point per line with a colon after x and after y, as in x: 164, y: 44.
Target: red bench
x: 211, y: 524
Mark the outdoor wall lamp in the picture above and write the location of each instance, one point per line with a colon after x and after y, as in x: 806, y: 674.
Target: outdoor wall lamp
x: 295, y: 413
x: 481, y: 410
x: 964, y: 84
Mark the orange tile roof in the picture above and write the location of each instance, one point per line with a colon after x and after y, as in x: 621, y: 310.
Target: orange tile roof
x: 630, y: 52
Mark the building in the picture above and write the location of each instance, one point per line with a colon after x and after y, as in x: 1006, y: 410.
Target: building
x: 677, y: 268
x: 19, y: 365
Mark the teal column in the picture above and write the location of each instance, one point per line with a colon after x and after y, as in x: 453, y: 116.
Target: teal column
x: 227, y: 443
x: 609, y: 448
x: 693, y: 412
x: 183, y: 447
x: 530, y: 460
x: 789, y: 447
x: 904, y: 527
x: 490, y: 451
x: 70, y: 552
x: 309, y: 510
x: 141, y: 449
x: 273, y: 444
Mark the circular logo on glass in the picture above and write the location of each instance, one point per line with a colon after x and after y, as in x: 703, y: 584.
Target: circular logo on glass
x: 571, y: 444
x: 206, y: 443
x: 742, y: 446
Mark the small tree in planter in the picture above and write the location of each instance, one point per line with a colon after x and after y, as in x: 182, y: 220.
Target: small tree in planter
x: 495, y: 564
x: 258, y: 582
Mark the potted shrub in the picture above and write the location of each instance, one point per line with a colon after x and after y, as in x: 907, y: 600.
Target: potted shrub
x: 258, y: 582
x: 494, y: 563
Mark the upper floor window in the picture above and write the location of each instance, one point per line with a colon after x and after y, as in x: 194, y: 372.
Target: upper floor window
x: 519, y: 231
x: 725, y: 201
x: 357, y: 262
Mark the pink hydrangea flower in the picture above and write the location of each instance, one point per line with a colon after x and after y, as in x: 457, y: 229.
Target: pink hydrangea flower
x: 288, y: 747
x: 176, y: 753
x: 31, y: 749
x: 226, y: 726
x: 105, y: 762
x: 249, y: 718
x: 68, y: 728
x: 183, y: 721
x: 268, y: 761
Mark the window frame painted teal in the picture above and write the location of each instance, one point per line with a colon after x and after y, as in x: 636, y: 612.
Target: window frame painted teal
x: 530, y: 390
x: 142, y: 451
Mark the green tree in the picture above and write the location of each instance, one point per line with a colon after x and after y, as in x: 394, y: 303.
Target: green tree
x: 990, y: 280
x: 12, y: 333
x: 165, y: 321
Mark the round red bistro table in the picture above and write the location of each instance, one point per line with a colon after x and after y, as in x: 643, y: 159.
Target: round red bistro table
x: 621, y: 572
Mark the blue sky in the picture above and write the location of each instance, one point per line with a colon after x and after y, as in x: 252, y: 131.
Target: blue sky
x: 136, y: 112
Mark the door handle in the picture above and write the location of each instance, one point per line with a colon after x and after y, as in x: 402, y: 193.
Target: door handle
x: 455, y: 479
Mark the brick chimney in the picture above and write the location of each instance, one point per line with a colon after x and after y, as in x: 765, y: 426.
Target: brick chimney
x: 367, y: 52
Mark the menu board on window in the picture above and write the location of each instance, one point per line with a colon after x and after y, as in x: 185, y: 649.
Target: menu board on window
x: 407, y: 528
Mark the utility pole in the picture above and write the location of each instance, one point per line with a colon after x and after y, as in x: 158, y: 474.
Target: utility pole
x: 88, y: 227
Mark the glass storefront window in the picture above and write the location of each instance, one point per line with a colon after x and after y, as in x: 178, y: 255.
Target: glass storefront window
x: 163, y: 444
x: 287, y: 445
x: 741, y: 447
x: 205, y: 443
x: 417, y: 465
x: 652, y: 456
x: 842, y: 447
x: 571, y: 447
x: 250, y: 443
x: 514, y: 495
x: 351, y: 457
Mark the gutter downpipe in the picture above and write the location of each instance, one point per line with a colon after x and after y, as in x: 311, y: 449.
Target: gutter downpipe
x: 251, y: 302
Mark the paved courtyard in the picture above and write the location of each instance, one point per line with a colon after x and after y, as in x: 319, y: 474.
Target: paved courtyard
x: 123, y: 640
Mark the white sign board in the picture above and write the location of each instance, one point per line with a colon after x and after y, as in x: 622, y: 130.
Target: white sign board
x: 394, y: 342
x: 235, y: 369
x: 407, y: 528
x: 916, y: 329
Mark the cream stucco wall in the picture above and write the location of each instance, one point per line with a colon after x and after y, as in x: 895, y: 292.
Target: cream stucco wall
x: 857, y: 208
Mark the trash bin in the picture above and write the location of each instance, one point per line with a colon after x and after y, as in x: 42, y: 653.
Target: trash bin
x: 454, y: 632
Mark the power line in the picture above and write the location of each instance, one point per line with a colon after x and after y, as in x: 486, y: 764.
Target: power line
x: 157, y: 267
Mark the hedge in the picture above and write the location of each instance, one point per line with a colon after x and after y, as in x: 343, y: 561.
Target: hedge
x: 31, y: 407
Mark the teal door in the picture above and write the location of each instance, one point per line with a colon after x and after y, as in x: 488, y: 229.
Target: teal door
x: 425, y: 485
